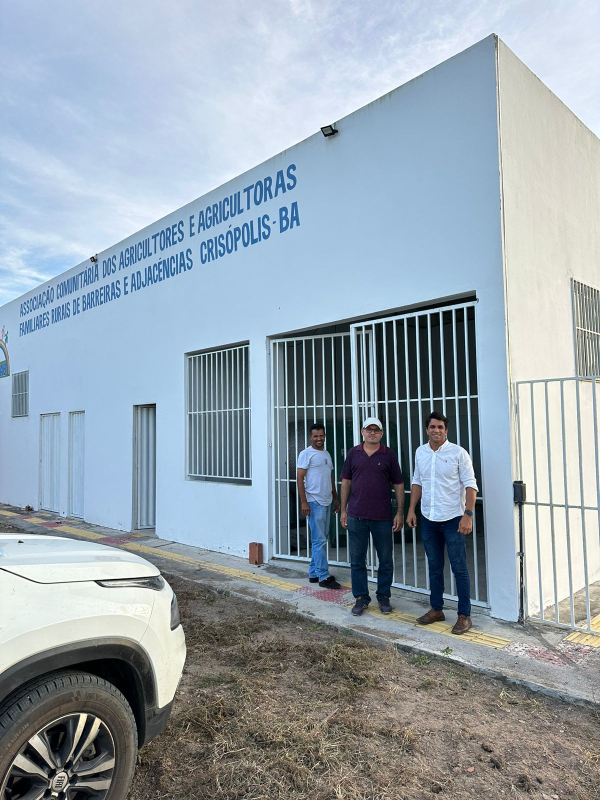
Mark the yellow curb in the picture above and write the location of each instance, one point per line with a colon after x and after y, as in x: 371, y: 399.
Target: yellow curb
x: 35, y: 520
x: 9, y: 513
x: 476, y: 637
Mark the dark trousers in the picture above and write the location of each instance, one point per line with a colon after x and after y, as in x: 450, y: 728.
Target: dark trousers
x: 435, y: 535
x: 358, y: 538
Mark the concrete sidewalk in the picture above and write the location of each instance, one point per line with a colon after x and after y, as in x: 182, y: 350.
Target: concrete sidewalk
x: 547, y: 659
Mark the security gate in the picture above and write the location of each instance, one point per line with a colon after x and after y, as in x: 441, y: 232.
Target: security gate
x: 50, y: 462
x: 398, y: 369
x: 311, y: 381
x: 558, y: 424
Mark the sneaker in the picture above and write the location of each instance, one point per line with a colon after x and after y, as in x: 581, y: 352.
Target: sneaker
x: 316, y: 580
x: 463, y: 624
x: 359, y: 606
x: 384, y: 605
x: 433, y: 615
x: 330, y: 583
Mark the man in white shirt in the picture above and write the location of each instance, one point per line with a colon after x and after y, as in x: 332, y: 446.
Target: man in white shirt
x: 316, y: 489
x: 445, y: 484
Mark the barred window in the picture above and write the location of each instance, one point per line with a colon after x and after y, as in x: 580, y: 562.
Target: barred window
x: 218, y: 411
x: 586, y: 318
x: 20, y: 394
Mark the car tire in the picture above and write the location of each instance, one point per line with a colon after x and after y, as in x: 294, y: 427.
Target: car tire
x: 69, y: 733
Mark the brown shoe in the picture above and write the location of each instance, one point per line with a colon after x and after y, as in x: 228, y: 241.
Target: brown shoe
x: 433, y: 615
x: 463, y: 624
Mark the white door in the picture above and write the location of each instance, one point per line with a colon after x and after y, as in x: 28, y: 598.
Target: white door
x: 76, y: 462
x: 50, y: 462
x: 144, y: 483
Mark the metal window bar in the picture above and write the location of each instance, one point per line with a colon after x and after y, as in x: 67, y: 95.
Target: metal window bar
x: 586, y: 319
x: 565, y: 591
x: 20, y: 394
x: 219, y: 414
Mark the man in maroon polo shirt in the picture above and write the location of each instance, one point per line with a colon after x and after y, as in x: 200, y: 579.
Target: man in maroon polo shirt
x: 369, y: 471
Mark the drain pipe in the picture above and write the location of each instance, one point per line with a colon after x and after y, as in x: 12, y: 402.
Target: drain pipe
x: 519, y: 495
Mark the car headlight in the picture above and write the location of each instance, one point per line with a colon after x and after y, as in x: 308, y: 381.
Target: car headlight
x: 156, y: 582
x: 175, y: 621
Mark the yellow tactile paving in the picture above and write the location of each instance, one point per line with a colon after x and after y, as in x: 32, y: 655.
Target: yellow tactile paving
x: 444, y: 628
x: 474, y: 636
x: 580, y: 637
x: 265, y: 580
x: 583, y: 637
x: 79, y: 532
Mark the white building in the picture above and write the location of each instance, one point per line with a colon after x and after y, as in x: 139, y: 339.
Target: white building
x: 170, y: 384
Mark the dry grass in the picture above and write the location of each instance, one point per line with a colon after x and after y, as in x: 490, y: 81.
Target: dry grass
x: 274, y: 708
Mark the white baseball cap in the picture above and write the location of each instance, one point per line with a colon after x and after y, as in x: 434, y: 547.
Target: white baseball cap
x: 372, y: 421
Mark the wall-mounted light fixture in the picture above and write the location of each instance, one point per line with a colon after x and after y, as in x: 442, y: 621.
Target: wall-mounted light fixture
x: 94, y: 259
x: 328, y: 130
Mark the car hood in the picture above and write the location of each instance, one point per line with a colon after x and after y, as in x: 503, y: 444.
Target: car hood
x: 54, y: 559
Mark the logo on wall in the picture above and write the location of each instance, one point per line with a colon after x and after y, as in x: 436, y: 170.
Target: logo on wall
x: 4, y: 360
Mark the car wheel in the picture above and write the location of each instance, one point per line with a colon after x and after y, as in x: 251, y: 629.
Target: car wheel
x: 67, y: 736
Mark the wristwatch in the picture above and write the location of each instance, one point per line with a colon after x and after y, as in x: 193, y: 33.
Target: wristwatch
x: 468, y: 512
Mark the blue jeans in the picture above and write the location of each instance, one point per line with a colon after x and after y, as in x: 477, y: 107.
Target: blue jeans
x: 434, y: 536
x: 318, y: 523
x: 358, y: 538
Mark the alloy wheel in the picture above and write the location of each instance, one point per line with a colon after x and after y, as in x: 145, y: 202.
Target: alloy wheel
x: 71, y: 758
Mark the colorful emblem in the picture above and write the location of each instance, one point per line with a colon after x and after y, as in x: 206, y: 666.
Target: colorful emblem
x: 4, y: 360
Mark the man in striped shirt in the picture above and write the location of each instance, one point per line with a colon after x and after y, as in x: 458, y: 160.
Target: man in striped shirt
x: 445, y: 484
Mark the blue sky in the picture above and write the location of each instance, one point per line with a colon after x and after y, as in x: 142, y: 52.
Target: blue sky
x: 116, y: 113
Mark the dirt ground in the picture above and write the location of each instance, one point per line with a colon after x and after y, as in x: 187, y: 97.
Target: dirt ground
x: 273, y: 706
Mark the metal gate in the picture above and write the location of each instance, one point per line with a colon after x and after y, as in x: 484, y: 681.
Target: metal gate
x: 398, y: 369
x: 76, y: 462
x: 558, y: 423
x: 50, y: 462
x: 311, y: 381
x: 144, y: 483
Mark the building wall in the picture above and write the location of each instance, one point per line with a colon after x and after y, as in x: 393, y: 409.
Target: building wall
x: 551, y: 211
x: 401, y: 207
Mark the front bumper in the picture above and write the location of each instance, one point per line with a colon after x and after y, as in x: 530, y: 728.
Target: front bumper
x: 155, y: 722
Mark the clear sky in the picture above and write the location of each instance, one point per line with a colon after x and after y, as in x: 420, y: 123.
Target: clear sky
x: 116, y: 112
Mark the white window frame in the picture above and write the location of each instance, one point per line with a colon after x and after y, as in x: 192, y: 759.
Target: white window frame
x: 585, y: 300
x: 218, y: 415
x: 20, y: 394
